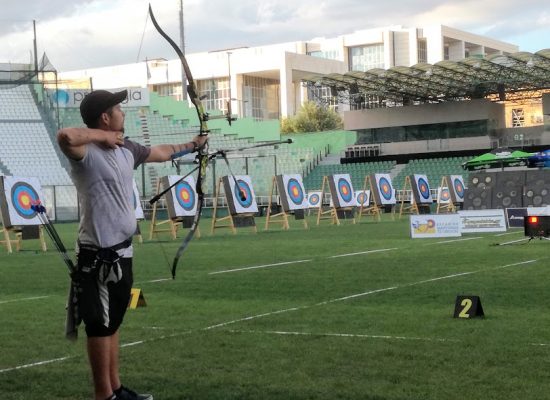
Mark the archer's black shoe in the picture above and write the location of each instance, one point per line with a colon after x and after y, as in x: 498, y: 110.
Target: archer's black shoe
x: 123, y: 393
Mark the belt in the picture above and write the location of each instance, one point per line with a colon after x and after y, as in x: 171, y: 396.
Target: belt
x: 118, y: 246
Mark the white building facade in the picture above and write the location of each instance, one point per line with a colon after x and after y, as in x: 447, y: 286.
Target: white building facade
x: 265, y: 82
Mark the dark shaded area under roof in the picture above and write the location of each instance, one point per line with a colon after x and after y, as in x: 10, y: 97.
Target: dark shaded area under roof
x: 497, y: 77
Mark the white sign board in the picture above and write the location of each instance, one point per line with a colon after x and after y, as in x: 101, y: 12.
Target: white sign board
x: 479, y: 221
x: 435, y: 225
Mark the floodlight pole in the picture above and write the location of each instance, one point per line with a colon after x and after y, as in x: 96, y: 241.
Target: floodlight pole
x: 35, y: 48
x: 182, y: 46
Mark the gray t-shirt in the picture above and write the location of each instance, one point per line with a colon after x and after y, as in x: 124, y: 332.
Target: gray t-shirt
x: 104, y: 182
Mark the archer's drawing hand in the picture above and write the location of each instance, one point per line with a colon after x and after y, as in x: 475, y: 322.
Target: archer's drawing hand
x: 113, y: 139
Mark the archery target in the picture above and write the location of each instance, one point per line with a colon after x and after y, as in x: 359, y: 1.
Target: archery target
x: 137, y: 203
x: 342, y: 192
x: 246, y: 204
x: 314, y: 199
x: 457, y: 188
x: 184, y: 196
x: 385, y: 188
x: 443, y: 195
x: 19, y: 194
x: 422, y: 187
x: 362, y: 197
x: 294, y: 192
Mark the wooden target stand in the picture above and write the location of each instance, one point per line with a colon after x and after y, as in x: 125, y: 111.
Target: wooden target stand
x: 373, y: 210
x: 332, y: 212
x: 413, y: 207
x: 281, y: 217
x: 18, y: 232
x: 445, y: 207
x: 169, y: 225
x: 229, y: 221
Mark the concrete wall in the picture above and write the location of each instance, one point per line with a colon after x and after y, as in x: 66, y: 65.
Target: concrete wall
x: 438, y: 145
x: 426, y: 114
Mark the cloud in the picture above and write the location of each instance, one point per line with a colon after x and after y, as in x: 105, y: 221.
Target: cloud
x: 90, y: 33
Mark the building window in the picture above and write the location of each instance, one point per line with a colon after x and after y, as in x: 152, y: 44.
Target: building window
x: 422, y: 51
x: 518, y: 117
x: 169, y: 89
x: 363, y: 58
x: 323, y: 95
x: 216, y: 93
x: 446, y: 52
x: 260, y: 98
x: 327, y: 54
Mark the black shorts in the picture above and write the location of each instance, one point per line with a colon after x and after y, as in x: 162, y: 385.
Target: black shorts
x: 101, y: 306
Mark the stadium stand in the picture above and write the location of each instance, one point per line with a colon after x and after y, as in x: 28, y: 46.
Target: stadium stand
x: 27, y: 145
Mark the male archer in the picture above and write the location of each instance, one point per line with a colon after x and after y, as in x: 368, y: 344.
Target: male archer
x: 102, y: 163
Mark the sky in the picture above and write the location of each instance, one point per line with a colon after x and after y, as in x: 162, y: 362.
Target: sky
x: 80, y: 34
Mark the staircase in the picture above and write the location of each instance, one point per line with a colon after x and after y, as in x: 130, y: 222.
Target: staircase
x: 151, y: 171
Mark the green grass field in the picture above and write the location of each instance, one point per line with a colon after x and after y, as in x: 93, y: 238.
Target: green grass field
x: 374, y: 325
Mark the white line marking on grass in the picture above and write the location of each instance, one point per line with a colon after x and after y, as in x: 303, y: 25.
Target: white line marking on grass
x: 348, y: 335
x: 222, y: 324
x: 23, y: 299
x: 259, y: 266
x: 509, y: 233
x: 35, y: 364
x: 539, y: 344
x: 513, y: 241
x: 454, y: 240
x: 363, y: 252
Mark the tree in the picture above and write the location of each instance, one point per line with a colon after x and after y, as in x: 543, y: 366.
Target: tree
x: 312, y: 118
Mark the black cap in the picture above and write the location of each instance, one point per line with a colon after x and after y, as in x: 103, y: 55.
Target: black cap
x: 97, y: 102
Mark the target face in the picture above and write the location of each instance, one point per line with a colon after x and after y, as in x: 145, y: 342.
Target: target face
x: 243, y: 193
x: 423, y: 188
x: 444, y: 195
x: 363, y: 198
x: 184, y: 196
x: 242, y: 188
x: 458, y: 186
x: 19, y: 195
x: 385, y: 189
x: 314, y: 199
x: 344, y: 196
x: 22, y: 197
x: 293, y: 192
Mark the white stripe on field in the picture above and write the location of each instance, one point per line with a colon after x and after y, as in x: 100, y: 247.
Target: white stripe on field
x: 259, y: 266
x: 35, y: 364
x: 363, y: 252
x: 454, y: 240
x: 509, y: 233
x: 249, y: 318
x: 23, y: 299
x: 348, y: 335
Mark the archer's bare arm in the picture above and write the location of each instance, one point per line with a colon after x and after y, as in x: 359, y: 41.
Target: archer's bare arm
x: 73, y: 141
x: 163, y: 152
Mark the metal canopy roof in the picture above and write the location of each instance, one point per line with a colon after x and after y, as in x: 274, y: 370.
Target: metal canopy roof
x: 497, y: 77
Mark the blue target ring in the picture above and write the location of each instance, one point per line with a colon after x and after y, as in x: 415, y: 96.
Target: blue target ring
x: 445, y: 195
x: 23, y: 196
x: 423, y: 188
x: 185, y: 196
x: 362, y: 198
x: 314, y: 199
x: 459, y: 188
x: 344, y: 188
x: 294, y: 191
x: 384, y: 186
x: 243, y: 188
